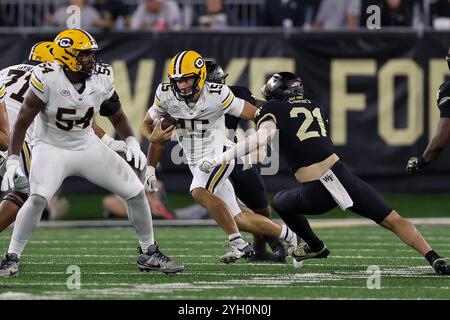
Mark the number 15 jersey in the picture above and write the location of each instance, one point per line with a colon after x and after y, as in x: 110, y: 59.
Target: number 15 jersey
x: 66, y: 121
x: 201, y: 128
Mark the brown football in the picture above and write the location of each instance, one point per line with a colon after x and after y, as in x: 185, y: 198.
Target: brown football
x: 167, y: 121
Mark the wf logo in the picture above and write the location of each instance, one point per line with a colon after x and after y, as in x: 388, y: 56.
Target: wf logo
x: 328, y: 178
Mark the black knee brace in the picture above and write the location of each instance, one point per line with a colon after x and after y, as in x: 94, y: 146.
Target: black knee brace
x: 17, y: 198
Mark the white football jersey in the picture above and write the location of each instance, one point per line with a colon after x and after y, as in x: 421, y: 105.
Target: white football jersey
x: 2, y: 92
x: 66, y: 121
x: 16, y: 79
x: 201, y: 128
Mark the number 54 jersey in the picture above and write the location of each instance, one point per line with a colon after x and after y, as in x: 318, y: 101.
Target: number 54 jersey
x: 66, y: 121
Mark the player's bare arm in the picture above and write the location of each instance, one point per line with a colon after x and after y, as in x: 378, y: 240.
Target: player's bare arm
x: 434, y: 148
x: 120, y: 122
x: 249, y: 111
x: 99, y: 132
x: 4, y: 127
x: 261, y: 137
x: 115, y: 145
x: 439, y: 141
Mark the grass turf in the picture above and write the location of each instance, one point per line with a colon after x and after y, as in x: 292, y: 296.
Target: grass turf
x: 86, y: 207
x: 106, y: 258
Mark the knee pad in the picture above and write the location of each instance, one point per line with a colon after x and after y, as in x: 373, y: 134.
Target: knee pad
x: 16, y: 197
x: 38, y: 201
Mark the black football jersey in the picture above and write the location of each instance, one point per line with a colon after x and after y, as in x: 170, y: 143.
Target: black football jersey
x: 303, y: 130
x: 231, y: 122
x: 443, y: 101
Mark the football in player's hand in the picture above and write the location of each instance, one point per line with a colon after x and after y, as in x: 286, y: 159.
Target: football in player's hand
x: 167, y: 121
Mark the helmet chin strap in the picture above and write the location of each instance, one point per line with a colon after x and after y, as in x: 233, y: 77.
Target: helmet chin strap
x: 180, y: 96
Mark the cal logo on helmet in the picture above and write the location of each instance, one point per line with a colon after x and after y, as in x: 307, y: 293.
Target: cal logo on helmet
x: 65, y: 42
x: 68, y: 45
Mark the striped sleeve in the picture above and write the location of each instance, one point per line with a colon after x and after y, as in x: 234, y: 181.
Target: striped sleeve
x: 37, y: 85
x: 157, y: 110
x: 230, y: 103
x: 2, y: 92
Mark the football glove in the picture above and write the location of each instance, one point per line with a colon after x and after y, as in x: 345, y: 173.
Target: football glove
x: 207, y: 164
x: 150, y: 182
x: 134, y: 152
x: 115, y: 145
x: 13, y: 171
x: 414, y: 164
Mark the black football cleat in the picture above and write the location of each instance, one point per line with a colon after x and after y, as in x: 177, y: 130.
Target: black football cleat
x: 303, y: 252
x: 261, y: 255
x: 441, y: 266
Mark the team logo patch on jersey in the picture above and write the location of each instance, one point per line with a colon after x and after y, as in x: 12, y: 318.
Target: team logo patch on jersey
x: 199, y: 62
x: 175, y: 108
x: 65, y: 93
x: 65, y: 42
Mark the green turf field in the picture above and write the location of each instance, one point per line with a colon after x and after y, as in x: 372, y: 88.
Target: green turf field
x: 106, y: 258
x: 85, y: 207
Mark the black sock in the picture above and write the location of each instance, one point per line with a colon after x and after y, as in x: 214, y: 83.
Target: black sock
x: 431, y: 256
x: 300, y: 225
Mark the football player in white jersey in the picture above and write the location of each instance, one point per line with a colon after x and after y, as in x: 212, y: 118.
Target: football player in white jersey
x: 199, y: 108
x: 64, y: 97
x: 4, y: 126
x: 16, y: 79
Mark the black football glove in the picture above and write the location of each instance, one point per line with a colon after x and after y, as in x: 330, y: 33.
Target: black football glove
x: 414, y: 164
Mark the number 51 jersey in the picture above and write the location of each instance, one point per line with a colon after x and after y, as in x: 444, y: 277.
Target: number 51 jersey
x: 66, y: 121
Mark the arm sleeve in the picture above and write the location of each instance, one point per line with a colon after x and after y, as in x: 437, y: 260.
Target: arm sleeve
x: 37, y: 84
x: 243, y: 93
x: 443, y: 100
x: 230, y: 103
x: 266, y: 112
x: 263, y: 136
x: 110, y: 106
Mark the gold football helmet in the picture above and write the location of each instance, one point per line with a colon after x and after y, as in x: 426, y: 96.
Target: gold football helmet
x: 69, y: 44
x: 42, y: 51
x: 187, y: 64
